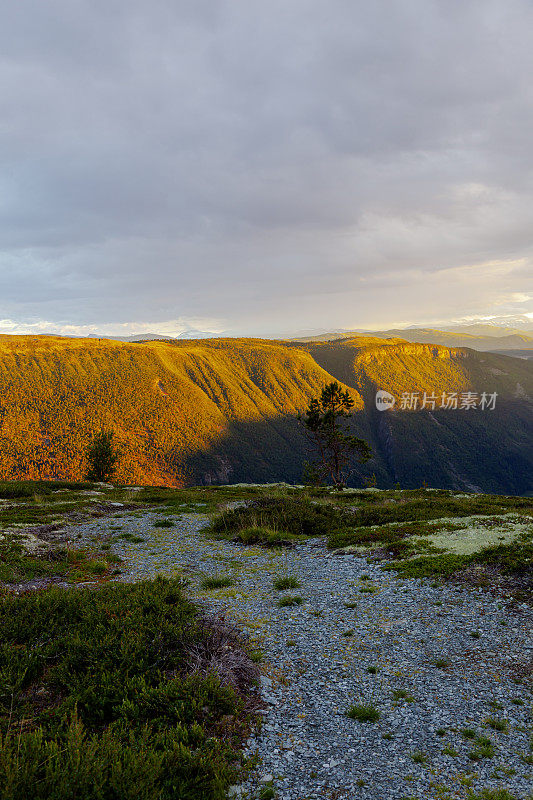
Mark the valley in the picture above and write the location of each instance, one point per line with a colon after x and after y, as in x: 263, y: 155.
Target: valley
x: 225, y: 410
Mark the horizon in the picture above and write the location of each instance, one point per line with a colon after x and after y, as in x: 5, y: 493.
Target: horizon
x: 521, y: 324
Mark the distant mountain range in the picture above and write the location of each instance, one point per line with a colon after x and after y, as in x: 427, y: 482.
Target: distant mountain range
x: 225, y: 410
x: 487, y: 338
x: 191, y: 333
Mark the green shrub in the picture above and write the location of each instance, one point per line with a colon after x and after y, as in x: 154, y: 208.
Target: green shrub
x: 16, y: 489
x: 104, y: 702
x: 363, y: 713
x: 96, y: 567
x: 295, y: 515
x: 163, y: 523
x: 101, y: 457
x: 265, y: 537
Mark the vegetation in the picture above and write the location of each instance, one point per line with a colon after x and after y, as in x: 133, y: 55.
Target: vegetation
x: 492, y: 794
x: 101, y: 457
x: 286, y: 582
x: 363, y: 713
x: 292, y: 515
x: 18, y: 565
x: 290, y: 600
x: 333, y: 448
x: 483, y: 749
x: 102, y: 689
x: 241, y: 399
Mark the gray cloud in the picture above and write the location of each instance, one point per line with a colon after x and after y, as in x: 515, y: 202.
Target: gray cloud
x: 267, y: 165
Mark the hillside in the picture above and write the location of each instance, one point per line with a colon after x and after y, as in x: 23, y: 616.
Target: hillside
x: 469, y: 449
x: 224, y: 410
x: 202, y: 411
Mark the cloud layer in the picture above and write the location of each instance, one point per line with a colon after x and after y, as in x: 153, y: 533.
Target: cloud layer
x: 264, y: 166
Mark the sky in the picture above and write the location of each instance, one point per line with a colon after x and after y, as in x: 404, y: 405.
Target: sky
x: 261, y: 168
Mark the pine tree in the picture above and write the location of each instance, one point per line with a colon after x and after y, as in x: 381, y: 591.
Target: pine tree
x: 334, y: 448
x: 101, y: 457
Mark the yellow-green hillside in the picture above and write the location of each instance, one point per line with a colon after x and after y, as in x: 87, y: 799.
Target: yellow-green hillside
x: 166, y: 402
x: 225, y: 410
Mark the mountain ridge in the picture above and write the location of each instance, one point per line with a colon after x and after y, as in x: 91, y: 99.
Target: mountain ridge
x: 225, y: 410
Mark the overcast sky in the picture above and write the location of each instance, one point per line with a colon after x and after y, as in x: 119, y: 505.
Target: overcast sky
x: 264, y: 167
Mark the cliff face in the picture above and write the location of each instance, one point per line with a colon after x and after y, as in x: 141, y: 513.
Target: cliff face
x: 214, y: 411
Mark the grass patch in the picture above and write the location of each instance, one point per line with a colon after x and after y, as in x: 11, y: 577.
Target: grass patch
x: 286, y: 582
x: 450, y: 751
x: 403, y: 694
x: 17, y: 565
x: 497, y: 724
x: 294, y: 515
x: 363, y: 713
x: 104, y: 689
x: 492, y: 794
x: 290, y: 600
x: 511, y: 559
x: 483, y: 749
x: 163, y: 523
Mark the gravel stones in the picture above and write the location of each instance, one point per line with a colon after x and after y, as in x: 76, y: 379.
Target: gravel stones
x: 403, y: 631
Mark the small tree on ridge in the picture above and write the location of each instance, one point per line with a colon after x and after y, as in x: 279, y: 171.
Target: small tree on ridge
x: 334, y: 448
x: 101, y: 457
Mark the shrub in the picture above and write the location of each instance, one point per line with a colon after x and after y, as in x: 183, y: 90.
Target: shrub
x: 111, y: 688
x: 363, y: 713
x: 15, y: 490
x: 163, y: 523
x: 295, y: 515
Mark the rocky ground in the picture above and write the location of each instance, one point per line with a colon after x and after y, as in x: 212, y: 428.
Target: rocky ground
x: 442, y: 668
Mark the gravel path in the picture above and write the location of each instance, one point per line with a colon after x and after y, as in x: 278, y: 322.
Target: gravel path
x: 434, y: 661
